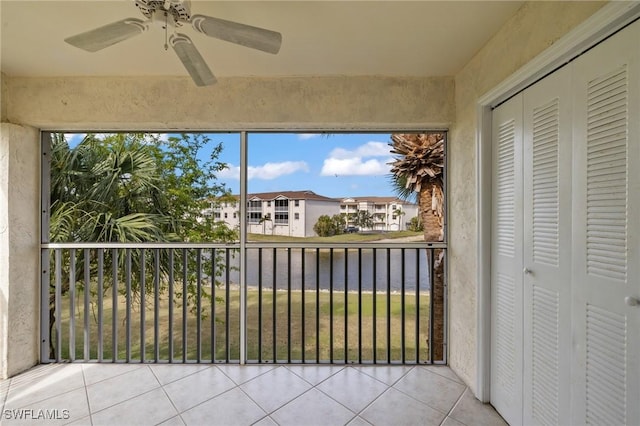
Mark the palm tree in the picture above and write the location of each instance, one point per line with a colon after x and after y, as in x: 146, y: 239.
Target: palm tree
x: 263, y: 220
x: 399, y: 213
x: 418, y: 170
x: 130, y: 188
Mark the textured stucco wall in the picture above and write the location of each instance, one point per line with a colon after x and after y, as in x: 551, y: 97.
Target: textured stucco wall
x: 164, y: 104
x: 535, y: 27
x: 176, y: 103
x: 19, y: 248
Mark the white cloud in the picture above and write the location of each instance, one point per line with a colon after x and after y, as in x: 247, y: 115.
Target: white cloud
x: 267, y: 171
x: 369, y: 149
x: 305, y: 136
x: 355, y: 167
x: 358, y: 161
x: 231, y: 172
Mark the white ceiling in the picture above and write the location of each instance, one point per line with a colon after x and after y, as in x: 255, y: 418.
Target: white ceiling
x: 392, y: 38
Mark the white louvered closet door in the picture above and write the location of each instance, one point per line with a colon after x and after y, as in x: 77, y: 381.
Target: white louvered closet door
x: 506, y: 261
x: 547, y: 250
x: 606, y: 245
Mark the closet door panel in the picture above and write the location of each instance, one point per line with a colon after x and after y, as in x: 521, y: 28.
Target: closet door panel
x: 606, y: 273
x: 547, y: 249
x: 506, y: 267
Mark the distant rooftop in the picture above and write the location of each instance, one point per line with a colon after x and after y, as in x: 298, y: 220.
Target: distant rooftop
x: 310, y: 195
x: 292, y: 195
x: 374, y: 199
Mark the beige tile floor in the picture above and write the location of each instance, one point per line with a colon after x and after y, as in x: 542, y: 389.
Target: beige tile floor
x: 151, y: 394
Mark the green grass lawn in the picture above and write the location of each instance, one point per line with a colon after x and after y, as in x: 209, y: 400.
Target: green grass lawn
x: 297, y: 333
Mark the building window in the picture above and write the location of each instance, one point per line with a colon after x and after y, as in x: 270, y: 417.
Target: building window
x: 234, y: 215
x: 254, y: 217
x: 296, y: 216
x: 268, y: 203
x: 216, y: 215
x: 281, y: 218
x: 297, y: 203
x: 394, y: 217
x: 282, y: 205
x: 393, y: 207
x: 226, y: 215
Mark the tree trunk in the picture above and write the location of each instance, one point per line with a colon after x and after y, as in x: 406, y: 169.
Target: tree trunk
x: 432, y: 233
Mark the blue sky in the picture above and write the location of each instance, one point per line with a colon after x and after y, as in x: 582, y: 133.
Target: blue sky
x: 334, y: 165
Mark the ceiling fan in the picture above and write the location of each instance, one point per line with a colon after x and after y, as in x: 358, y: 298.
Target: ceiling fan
x: 173, y: 14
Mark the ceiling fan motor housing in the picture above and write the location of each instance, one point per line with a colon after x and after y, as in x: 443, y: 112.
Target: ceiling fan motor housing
x: 180, y: 10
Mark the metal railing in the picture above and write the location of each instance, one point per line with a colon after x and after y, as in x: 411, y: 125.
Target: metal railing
x: 289, y: 303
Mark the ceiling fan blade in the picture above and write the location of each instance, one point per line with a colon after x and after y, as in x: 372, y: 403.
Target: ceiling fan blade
x: 192, y: 60
x: 234, y: 32
x: 108, y: 35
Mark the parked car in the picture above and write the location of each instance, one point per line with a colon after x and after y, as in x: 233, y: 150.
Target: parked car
x: 351, y: 229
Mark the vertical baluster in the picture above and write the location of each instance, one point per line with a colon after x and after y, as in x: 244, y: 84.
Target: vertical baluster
x: 185, y: 300
x: 156, y: 305
x: 199, y: 305
x: 302, y: 295
x: 417, y: 306
x: 402, y: 303
x: 72, y: 305
x: 431, y: 316
x: 170, y: 300
x: 289, y: 305
x: 58, y: 304
x: 227, y: 306
x: 388, y: 306
x: 346, y: 305
x: 87, y: 303
x: 274, y: 284
x: 213, y: 304
x: 143, y: 305
x: 114, y: 305
x: 128, y: 295
x: 331, y: 305
x: 260, y: 305
x: 360, y: 305
x: 318, y: 305
x: 374, y: 257
x: 100, y: 304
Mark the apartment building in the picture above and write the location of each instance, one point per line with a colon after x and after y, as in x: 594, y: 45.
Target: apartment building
x: 291, y: 213
x: 387, y: 213
x: 294, y: 213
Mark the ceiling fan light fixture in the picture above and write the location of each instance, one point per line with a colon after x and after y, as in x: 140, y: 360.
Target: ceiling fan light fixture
x: 173, y: 14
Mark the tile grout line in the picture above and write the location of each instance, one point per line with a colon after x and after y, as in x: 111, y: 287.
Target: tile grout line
x: 236, y: 386
x: 321, y: 381
x: 138, y: 366
x: 40, y: 400
x: 179, y: 415
x: 454, y: 406
x: 128, y: 399
x: 6, y: 395
x: 357, y: 414
x: 173, y: 381
x: 429, y: 405
x: 86, y: 394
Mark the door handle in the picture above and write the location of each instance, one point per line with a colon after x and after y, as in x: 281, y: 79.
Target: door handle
x: 527, y: 271
x: 631, y: 301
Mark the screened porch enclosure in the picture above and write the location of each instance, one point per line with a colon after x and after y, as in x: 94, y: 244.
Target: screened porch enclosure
x: 243, y: 300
